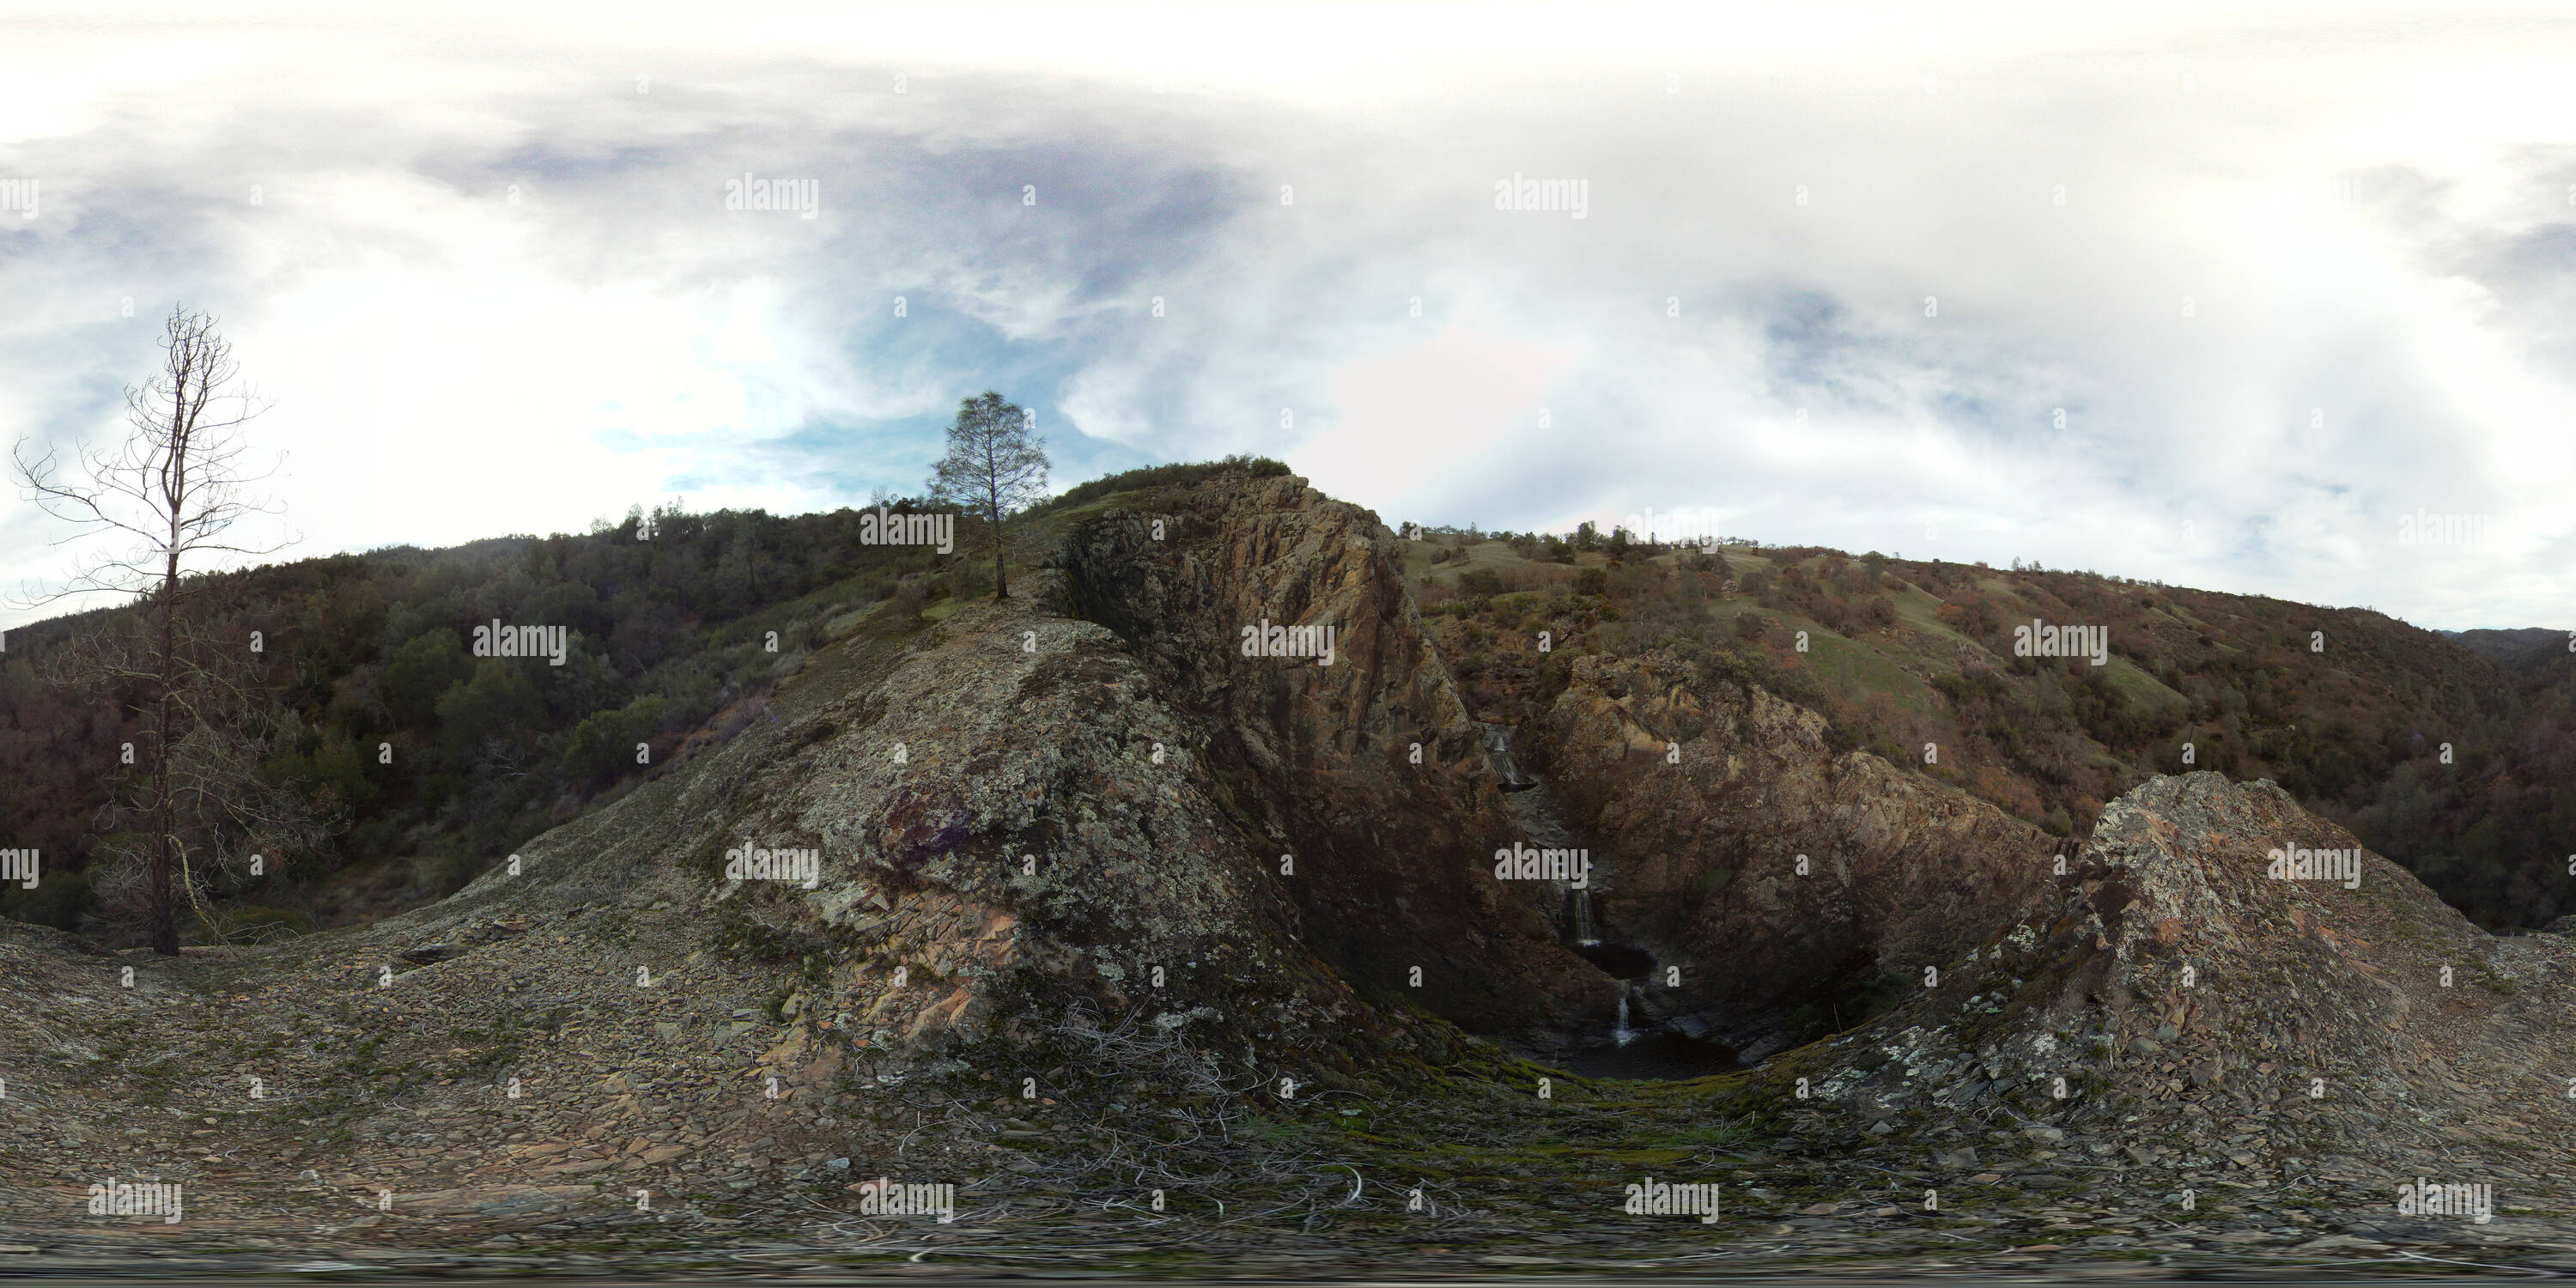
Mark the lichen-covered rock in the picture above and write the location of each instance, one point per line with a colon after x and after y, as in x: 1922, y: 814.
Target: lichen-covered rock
x: 1009, y: 822
x: 1048, y: 834
x: 2333, y: 1019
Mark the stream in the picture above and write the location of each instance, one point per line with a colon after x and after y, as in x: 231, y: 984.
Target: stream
x: 1624, y: 1050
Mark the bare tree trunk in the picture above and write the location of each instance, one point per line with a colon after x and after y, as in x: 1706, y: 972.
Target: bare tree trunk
x: 165, y: 914
x: 165, y: 908
x: 1001, y: 582
x: 993, y: 511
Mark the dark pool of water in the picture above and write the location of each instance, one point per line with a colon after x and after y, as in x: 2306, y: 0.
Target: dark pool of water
x: 1664, y: 1056
x: 1619, y: 961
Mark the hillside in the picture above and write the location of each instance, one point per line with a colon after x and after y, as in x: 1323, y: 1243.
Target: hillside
x: 680, y: 626
x: 2455, y: 763
x: 1110, y: 924
x: 2527, y: 647
x: 677, y: 628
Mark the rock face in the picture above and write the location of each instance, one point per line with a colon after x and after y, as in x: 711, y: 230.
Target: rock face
x: 1367, y: 770
x: 1022, y: 842
x: 998, y: 845
x: 1020, y: 814
x: 1702, y: 795
x: 1010, y: 889
x: 2362, y: 1035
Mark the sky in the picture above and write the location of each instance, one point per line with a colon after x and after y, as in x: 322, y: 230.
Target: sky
x: 2231, y: 296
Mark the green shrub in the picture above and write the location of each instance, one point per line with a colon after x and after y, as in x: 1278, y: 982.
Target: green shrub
x: 423, y: 669
x: 603, y: 746
x: 1154, y: 476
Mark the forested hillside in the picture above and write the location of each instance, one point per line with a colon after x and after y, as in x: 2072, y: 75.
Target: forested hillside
x: 677, y: 627
x: 676, y: 624
x: 679, y: 624
x: 2455, y: 757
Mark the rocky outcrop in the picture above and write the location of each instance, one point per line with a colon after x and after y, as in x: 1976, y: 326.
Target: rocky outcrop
x: 1365, y: 770
x: 1020, y: 814
x: 1010, y: 824
x: 2179, y: 1002
x: 1013, y: 895
x: 1795, y: 888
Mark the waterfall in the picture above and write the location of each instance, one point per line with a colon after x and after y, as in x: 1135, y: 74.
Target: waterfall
x: 1576, y: 918
x: 1498, y: 755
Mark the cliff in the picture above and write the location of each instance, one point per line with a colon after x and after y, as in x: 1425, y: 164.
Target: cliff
x: 1709, y: 796
x: 1368, y: 770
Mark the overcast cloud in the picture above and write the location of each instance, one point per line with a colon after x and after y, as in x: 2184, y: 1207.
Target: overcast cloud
x: 2288, y: 274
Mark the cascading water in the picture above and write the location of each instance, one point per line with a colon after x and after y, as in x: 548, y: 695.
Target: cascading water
x: 1498, y: 752
x: 1626, y: 1051
x: 1543, y: 827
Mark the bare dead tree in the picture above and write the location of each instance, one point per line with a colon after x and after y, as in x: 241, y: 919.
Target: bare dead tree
x: 165, y: 499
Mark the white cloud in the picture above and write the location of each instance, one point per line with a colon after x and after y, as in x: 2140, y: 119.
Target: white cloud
x: 2363, y: 206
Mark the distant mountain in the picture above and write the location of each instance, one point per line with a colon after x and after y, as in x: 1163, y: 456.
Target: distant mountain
x: 2515, y: 647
